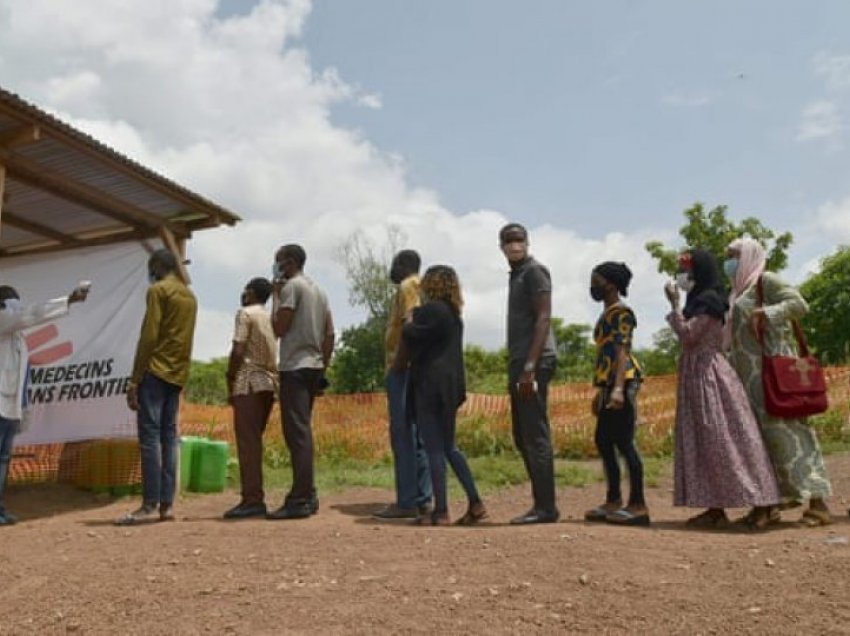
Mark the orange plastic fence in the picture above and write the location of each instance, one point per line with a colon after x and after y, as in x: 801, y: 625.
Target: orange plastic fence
x: 356, y: 425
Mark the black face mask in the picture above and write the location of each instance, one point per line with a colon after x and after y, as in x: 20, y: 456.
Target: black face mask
x: 597, y: 292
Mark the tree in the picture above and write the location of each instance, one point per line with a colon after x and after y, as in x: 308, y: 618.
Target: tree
x: 486, y: 371
x: 207, y: 384
x: 827, y: 324
x: 663, y: 357
x: 358, y: 362
x: 713, y: 231
x: 576, y: 353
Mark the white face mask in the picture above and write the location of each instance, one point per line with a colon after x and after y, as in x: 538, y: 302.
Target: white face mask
x: 12, y: 304
x: 684, y: 281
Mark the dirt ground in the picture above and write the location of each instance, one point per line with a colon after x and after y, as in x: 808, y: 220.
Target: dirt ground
x: 65, y: 568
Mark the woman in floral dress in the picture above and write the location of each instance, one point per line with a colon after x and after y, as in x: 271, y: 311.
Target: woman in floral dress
x: 791, y: 443
x: 720, y: 459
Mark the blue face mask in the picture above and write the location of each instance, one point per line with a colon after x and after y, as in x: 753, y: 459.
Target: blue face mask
x: 730, y: 266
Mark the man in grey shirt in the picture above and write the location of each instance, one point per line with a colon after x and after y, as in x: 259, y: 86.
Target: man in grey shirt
x: 532, y: 359
x: 301, y: 318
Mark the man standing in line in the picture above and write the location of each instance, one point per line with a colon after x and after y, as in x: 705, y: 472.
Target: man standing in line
x: 160, y: 370
x: 251, y: 386
x: 532, y: 360
x: 301, y: 318
x: 14, y: 318
x: 412, y: 476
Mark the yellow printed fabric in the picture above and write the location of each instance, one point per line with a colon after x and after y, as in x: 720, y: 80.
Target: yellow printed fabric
x: 165, y: 342
x: 615, y: 327
x: 405, y: 300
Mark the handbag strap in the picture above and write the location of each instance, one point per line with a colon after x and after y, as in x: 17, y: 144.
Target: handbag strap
x: 802, y: 344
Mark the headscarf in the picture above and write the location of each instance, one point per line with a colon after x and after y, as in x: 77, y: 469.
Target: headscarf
x: 618, y: 274
x: 708, y: 295
x: 751, y: 264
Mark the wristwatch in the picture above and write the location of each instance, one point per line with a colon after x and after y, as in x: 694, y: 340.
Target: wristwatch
x: 529, y: 367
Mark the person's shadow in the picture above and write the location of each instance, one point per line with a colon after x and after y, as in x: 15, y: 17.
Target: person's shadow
x: 36, y: 501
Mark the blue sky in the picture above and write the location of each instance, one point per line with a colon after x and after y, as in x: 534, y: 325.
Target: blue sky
x: 595, y: 124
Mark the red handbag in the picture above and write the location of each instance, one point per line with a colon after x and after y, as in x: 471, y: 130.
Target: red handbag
x: 793, y: 386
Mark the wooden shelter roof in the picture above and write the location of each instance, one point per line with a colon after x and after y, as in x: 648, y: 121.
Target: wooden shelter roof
x: 63, y: 189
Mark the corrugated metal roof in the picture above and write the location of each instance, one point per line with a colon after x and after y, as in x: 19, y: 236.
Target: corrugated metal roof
x: 61, y: 182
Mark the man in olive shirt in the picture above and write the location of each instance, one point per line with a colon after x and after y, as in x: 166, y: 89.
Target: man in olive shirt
x: 160, y: 370
x: 412, y: 475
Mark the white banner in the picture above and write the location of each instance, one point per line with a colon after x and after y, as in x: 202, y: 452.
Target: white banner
x: 81, y: 363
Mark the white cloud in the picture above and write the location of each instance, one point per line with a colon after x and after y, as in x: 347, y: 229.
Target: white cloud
x: 232, y: 108
x: 821, y: 119
x: 833, y: 218
x: 835, y: 69
x: 687, y: 99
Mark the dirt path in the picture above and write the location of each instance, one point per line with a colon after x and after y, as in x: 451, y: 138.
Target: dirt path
x: 71, y: 570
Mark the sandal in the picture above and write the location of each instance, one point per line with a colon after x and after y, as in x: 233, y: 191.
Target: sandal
x: 711, y: 518
x: 475, y: 513
x: 760, y: 518
x: 625, y: 517
x: 600, y: 513
x: 815, y: 518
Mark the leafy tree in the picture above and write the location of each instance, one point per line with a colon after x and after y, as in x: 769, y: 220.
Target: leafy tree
x: 207, y: 384
x: 358, y: 363
x: 662, y: 358
x: 486, y: 371
x: 576, y: 353
x: 828, y: 293
x: 713, y: 230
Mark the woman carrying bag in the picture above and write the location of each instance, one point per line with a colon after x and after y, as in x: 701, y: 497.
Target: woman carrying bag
x: 791, y: 443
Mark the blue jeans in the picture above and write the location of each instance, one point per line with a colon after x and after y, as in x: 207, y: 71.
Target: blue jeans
x: 412, y: 478
x: 438, y: 433
x: 8, y: 428
x: 157, y: 427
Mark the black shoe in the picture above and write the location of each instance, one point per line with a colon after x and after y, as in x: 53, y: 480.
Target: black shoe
x: 536, y: 516
x: 314, y: 504
x: 394, y: 511
x: 292, y: 511
x: 244, y: 511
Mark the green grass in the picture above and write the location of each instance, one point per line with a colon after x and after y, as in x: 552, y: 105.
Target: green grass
x: 493, y: 473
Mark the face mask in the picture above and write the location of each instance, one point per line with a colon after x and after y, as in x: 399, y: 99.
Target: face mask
x: 684, y: 281
x: 152, y: 278
x: 597, y: 293
x: 12, y: 304
x: 730, y: 266
x: 277, y: 271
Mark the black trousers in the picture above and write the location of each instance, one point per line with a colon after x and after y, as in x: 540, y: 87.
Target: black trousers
x: 615, y: 431
x: 298, y: 390
x: 530, y: 420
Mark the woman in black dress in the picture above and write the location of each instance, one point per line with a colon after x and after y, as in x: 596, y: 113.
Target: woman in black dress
x: 434, y: 342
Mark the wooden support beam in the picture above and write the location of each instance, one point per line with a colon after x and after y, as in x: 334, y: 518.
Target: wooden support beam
x: 21, y: 136
x: 2, y: 194
x: 42, y: 248
x: 31, y: 173
x: 173, y: 247
x: 10, y: 218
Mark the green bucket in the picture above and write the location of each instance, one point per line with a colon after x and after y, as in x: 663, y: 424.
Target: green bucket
x: 188, y: 459
x: 209, y: 473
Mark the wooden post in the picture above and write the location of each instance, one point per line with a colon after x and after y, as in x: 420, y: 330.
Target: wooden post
x: 2, y: 194
x: 173, y: 247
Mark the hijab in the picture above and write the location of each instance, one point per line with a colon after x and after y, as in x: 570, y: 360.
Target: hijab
x: 751, y: 264
x: 708, y: 295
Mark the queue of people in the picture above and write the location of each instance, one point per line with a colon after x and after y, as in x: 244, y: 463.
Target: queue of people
x: 729, y: 451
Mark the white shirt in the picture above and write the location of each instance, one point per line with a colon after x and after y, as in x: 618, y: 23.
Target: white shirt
x: 13, y: 349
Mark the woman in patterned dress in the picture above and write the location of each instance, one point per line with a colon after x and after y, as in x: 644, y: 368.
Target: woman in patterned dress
x: 791, y: 443
x: 720, y: 458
